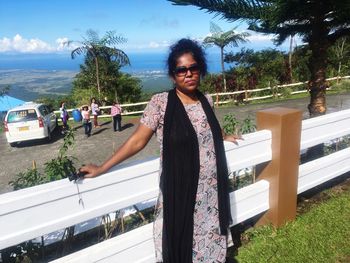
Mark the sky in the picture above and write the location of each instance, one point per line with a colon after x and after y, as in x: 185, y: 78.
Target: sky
x: 42, y: 26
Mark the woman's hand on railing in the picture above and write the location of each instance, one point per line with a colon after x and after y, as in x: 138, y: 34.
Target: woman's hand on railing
x: 91, y: 170
x: 232, y: 138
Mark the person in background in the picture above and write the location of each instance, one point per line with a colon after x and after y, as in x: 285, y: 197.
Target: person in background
x: 95, y: 110
x: 192, y: 215
x: 116, y: 111
x: 85, y: 113
x: 64, y: 116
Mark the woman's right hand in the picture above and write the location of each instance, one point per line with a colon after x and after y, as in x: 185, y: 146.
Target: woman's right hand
x: 91, y: 170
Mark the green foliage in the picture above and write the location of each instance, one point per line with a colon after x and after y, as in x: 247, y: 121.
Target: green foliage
x: 342, y: 86
x: 55, y: 102
x: 285, y: 92
x: 55, y: 169
x: 222, y: 38
x: 59, y: 168
x: 113, y: 83
x: 339, y: 57
x: 247, y: 125
x: 62, y: 166
x: 27, y: 179
x: 211, y: 83
x: 102, y: 62
x: 68, y: 141
x: 259, y: 68
x: 232, y: 125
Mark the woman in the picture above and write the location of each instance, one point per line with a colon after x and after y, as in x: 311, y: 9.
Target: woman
x: 116, y: 111
x: 192, y: 212
x: 95, y: 110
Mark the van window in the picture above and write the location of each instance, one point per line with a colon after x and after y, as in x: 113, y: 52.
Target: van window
x: 43, y: 110
x: 22, y: 115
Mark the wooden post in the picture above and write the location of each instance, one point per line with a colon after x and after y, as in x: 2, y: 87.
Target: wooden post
x: 282, y: 170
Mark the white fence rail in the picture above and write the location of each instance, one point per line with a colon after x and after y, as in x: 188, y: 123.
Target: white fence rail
x: 35, y: 211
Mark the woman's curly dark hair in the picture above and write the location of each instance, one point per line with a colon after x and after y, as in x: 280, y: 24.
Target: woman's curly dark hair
x: 184, y: 46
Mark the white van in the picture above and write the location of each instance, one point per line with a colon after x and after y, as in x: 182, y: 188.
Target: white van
x: 29, y: 121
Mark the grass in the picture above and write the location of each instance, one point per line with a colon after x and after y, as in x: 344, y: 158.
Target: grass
x: 320, y: 235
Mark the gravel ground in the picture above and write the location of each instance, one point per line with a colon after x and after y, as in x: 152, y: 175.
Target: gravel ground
x: 104, y: 140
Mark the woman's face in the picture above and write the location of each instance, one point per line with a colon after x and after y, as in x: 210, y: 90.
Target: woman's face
x: 187, y: 74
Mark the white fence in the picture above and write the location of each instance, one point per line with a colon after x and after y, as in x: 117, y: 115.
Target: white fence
x: 35, y: 211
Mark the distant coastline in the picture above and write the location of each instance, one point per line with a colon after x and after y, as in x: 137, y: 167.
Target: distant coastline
x: 35, y: 75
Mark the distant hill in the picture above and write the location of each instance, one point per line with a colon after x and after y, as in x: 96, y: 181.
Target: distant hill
x: 30, y: 84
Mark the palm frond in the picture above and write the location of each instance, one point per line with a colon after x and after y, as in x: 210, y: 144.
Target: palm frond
x: 231, y: 10
x: 120, y: 56
x: 92, y: 36
x: 214, y: 28
x: 78, y: 51
x: 110, y: 38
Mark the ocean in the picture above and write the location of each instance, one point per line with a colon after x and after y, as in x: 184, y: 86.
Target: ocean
x: 140, y: 62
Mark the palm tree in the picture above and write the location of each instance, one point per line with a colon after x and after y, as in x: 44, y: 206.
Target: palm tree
x: 98, y: 48
x: 319, y: 23
x: 222, y: 39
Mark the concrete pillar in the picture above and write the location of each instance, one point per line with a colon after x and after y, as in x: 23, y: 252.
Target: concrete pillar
x: 282, y: 171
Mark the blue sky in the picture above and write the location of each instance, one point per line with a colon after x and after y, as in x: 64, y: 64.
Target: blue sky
x: 41, y: 26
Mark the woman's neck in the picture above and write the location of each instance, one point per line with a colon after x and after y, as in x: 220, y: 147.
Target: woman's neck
x: 187, y: 98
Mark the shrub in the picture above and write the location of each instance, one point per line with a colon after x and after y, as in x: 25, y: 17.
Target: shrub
x: 27, y: 179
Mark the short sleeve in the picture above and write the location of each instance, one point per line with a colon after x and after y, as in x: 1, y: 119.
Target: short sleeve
x: 210, y: 100
x: 152, y: 113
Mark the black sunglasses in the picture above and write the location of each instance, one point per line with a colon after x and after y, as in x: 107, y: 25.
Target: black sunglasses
x: 182, y: 71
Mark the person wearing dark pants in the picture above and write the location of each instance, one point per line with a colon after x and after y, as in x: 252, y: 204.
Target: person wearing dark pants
x: 117, y: 117
x: 86, y: 121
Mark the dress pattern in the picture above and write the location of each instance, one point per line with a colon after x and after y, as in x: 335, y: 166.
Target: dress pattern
x: 208, y: 245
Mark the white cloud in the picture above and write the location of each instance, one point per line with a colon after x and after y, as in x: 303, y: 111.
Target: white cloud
x: 255, y: 37
x: 61, y: 42
x: 162, y: 44
x: 34, y: 45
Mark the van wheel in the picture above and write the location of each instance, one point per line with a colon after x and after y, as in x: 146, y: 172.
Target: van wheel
x: 13, y: 144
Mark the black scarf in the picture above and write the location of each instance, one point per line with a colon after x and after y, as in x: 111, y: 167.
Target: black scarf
x: 179, y: 179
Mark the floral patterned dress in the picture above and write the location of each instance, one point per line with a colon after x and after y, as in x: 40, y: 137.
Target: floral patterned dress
x: 208, y: 244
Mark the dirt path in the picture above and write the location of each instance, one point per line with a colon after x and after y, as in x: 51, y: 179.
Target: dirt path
x: 104, y: 141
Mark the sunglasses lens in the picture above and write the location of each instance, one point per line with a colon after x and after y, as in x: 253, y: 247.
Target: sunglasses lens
x: 182, y: 71
x: 194, y: 69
